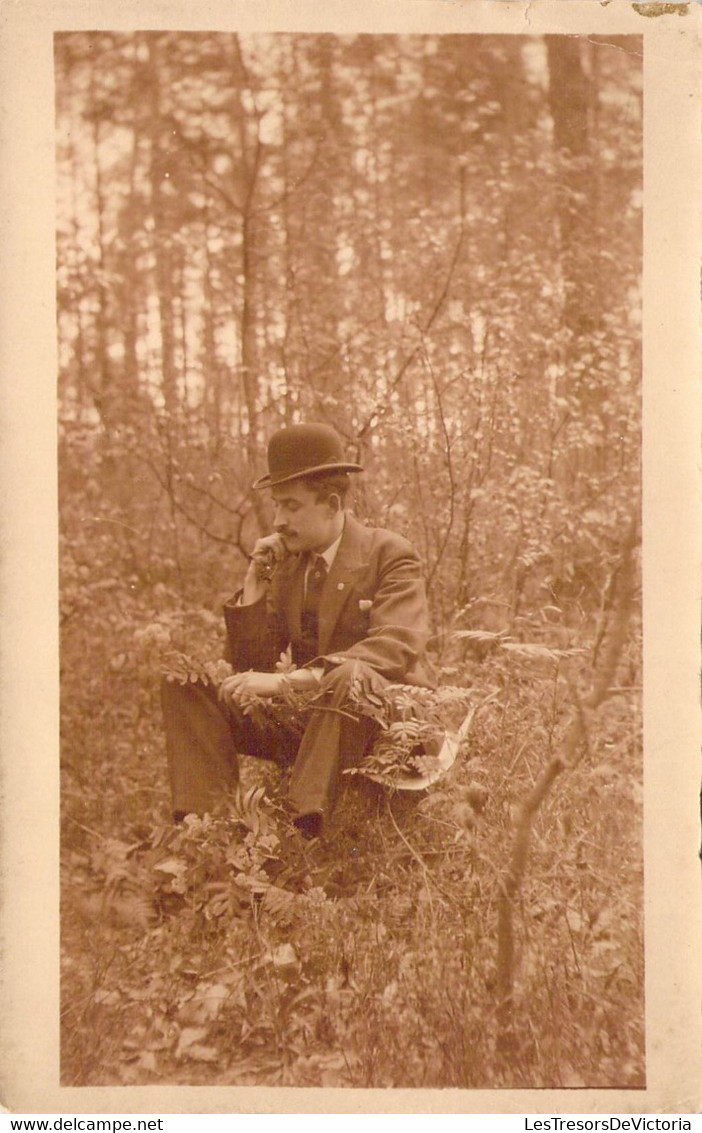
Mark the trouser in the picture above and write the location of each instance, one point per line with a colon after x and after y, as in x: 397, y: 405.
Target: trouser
x: 204, y: 738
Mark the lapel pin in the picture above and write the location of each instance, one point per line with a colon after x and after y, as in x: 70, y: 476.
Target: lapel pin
x: 339, y: 586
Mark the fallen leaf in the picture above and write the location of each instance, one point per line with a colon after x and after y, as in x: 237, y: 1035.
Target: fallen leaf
x: 189, y: 1037
x: 206, y: 1003
x: 107, y: 998
x: 147, y: 1061
x: 202, y: 1053
x: 284, y: 956
x: 176, y: 866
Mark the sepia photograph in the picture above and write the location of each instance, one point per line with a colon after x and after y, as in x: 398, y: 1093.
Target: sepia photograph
x: 349, y: 333
x: 347, y: 666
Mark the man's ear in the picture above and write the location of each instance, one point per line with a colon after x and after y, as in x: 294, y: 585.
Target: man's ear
x: 334, y: 503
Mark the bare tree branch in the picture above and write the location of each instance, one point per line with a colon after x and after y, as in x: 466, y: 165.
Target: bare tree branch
x: 574, y: 735
x: 381, y: 411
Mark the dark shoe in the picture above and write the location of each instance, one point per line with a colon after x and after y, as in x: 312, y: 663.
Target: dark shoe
x: 310, y: 825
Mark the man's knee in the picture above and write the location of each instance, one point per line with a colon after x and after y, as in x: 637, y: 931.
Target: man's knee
x: 179, y: 698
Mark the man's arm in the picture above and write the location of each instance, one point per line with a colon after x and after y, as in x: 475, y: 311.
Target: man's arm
x: 268, y: 551
x: 254, y: 637
x: 242, y: 685
x: 393, y: 637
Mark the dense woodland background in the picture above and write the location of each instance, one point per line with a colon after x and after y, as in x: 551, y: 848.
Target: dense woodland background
x: 434, y: 244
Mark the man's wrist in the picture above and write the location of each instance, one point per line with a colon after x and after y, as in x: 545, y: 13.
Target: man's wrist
x: 305, y: 678
x: 253, y: 589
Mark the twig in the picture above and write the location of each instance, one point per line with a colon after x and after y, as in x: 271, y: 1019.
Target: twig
x: 230, y: 541
x: 428, y: 875
x: 417, y: 857
x: 449, y: 467
x: 509, y: 890
x: 93, y: 833
x: 381, y: 410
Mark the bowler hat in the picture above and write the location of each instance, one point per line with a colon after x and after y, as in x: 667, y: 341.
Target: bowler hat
x: 302, y: 450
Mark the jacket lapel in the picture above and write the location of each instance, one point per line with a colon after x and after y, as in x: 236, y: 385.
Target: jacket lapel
x: 350, y: 561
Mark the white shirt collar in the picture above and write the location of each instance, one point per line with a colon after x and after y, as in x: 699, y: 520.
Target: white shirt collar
x: 330, y: 554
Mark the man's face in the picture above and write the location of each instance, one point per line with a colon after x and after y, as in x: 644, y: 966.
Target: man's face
x: 304, y: 524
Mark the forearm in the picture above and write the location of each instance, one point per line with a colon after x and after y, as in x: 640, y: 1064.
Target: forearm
x: 255, y: 640
x: 253, y: 589
x: 242, y: 686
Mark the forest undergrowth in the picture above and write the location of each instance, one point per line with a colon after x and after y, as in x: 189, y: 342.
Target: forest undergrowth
x: 228, y: 951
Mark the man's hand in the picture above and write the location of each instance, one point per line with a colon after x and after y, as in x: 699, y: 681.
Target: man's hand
x: 270, y: 547
x: 241, y: 687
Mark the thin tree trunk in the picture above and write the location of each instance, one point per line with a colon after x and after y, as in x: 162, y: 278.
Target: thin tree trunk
x: 569, y: 98
x: 251, y: 268
x: 158, y: 169
x: 103, y: 391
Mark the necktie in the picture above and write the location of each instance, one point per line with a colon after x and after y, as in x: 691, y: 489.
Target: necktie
x: 316, y: 577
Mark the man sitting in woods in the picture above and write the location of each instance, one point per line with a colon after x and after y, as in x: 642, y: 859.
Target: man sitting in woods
x: 350, y: 603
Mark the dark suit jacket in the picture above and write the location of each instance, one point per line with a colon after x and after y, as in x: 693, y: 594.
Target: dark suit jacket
x: 373, y: 608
